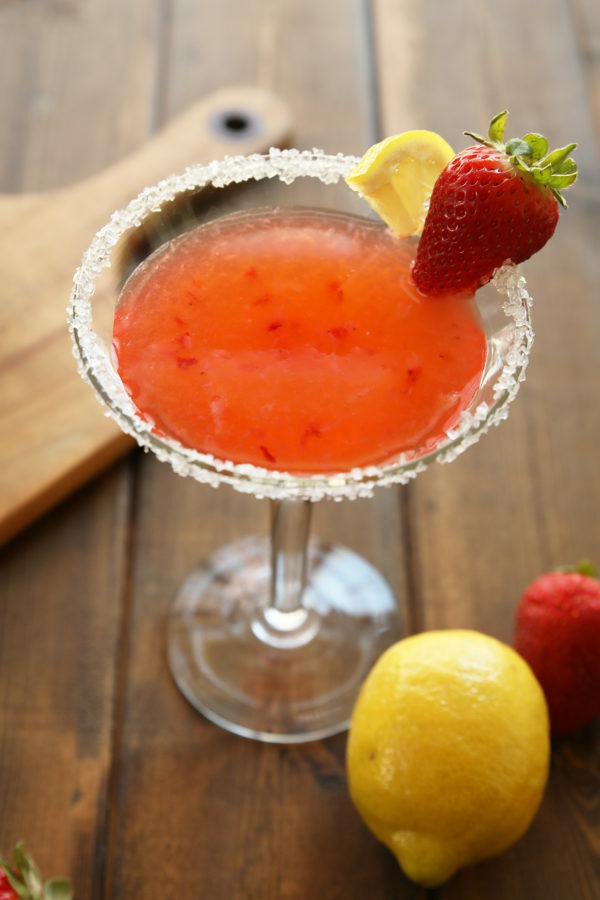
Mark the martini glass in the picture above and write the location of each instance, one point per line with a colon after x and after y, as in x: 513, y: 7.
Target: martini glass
x: 271, y: 638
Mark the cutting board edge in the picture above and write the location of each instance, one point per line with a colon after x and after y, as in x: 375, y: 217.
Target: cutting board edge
x: 18, y: 518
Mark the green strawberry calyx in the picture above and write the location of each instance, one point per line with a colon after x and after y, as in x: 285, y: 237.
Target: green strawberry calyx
x: 583, y: 567
x: 26, y: 881
x: 556, y: 170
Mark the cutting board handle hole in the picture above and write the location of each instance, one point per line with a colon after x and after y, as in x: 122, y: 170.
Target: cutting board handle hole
x: 236, y: 124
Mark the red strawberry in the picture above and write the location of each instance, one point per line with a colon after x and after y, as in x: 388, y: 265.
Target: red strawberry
x: 558, y: 633
x: 6, y: 892
x: 494, y: 202
x: 22, y: 881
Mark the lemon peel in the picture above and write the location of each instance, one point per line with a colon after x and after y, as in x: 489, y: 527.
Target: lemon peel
x: 448, y: 751
x: 397, y: 175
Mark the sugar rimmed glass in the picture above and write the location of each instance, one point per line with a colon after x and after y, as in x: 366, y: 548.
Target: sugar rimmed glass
x: 272, y: 639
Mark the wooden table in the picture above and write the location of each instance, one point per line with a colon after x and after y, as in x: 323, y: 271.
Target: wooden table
x: 105, y: 771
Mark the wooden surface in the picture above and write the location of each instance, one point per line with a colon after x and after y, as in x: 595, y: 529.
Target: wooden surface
x: 54, y: 439
x: 105, y: 771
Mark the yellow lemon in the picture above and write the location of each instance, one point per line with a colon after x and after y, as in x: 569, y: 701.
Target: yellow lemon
x: 397, y: 175
x: 448, y: 751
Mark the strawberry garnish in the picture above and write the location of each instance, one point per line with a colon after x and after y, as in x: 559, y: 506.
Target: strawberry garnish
x: 494, y: 203
x: 6, y: 891
x: 558, y: 634
x: 22, y: 880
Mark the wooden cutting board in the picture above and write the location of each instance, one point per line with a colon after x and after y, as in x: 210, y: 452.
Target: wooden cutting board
x: 54, y: 433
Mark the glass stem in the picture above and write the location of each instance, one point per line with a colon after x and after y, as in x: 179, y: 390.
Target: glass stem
x: 290, y: 526
x: 285, y: 623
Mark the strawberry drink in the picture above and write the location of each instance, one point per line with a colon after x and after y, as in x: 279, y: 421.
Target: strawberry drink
x: 295, y: 340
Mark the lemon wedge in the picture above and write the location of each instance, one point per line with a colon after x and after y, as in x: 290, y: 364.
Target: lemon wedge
x: 397, y: 175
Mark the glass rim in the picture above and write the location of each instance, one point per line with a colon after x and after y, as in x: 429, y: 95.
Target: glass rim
x: 95, y: 365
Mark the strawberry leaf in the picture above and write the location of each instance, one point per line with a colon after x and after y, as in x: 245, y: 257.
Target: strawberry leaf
x: 538, y: 145
x: 58, y: 889
x: 497, y: 126
x: 29, y: 871
x: 479, y: 138
x: 559, y: 197
x: 583, y: 567
x: 562, y: 181
x: 557, y: 157
x: 568, y: 167
x: 529, y: 154
x: 517, y: 147
x: 520, y: 163
x: 542, y: 176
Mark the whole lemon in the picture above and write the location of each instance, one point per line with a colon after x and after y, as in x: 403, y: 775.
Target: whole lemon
x: 448, y: 751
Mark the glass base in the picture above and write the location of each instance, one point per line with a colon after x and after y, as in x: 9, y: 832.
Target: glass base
x: 276, y: 676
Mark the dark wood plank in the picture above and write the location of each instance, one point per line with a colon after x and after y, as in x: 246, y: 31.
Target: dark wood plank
x: 587, y: 26
x: 526, y: 498
x: 60, y: 615
x: 82, y: 85
x: 231, y: 818
x: 243, y: 820
x: 62, y: 582
x: 295, y: 49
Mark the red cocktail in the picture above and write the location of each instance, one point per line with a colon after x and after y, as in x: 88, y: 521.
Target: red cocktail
x: 295, y: 340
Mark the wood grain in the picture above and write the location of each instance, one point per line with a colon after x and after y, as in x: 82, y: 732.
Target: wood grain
x: 527, y: 497
x: 59, y: 640
x: 61, y: 583
x: 587, y: 28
